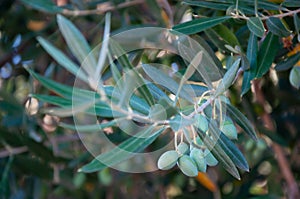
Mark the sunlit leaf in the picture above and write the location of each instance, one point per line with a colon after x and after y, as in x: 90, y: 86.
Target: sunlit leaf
x: 189, y: 72
x: 76, y: 42
x: 103, y: 51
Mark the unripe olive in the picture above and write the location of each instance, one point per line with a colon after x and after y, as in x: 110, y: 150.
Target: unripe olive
x: 187, y: 165
x: 183, y: 148
x: 210, y: 158
x: 198, y: 156
x: 167, y: 160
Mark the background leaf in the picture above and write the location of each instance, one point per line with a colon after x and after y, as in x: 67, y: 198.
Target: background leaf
x: 199, y: 25
x: 276, y: 26
x: 220, y: 35
x: 43, y: 5
x: 252, y: 57
x: 256, y: 26
x: 288, y: 63
x: 266, y: 54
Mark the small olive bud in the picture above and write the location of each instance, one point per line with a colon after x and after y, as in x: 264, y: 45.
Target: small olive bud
x: 210, y: 158
x: 182, y: 148
x: 198, y: 156
x: 187, y: 165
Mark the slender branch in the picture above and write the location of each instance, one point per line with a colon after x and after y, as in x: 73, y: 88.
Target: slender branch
x: 282, y: 15
x: 13, y: 151
x: 234, y: 15
x: 201, y: 108
x: 293, y: 190
x: 103, y: 10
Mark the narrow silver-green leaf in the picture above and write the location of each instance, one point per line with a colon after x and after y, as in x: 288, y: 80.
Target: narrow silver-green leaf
x: 52, y: 99
x: 240, y: 119
x: 114, y: 70
x: 156, y: 92
x: 228, y: 78
x: 256, y: 26
x: 214, y: 147
x: 72, y: 93
x: 276, y: 26
x: 124, y: 151
x: 266, y: 54
x: 198, y: 25
x: 127, y: 87
x: 160, y: 78
x: 77, y: 44
x: 228, y: 147
x: 62, y: 59
x: 104, y: 49
x: 68, y: 111
x: 189, y: 72
x: 117, y: 51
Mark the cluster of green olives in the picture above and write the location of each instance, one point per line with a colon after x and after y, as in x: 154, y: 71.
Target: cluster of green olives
x: 189, y: 159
